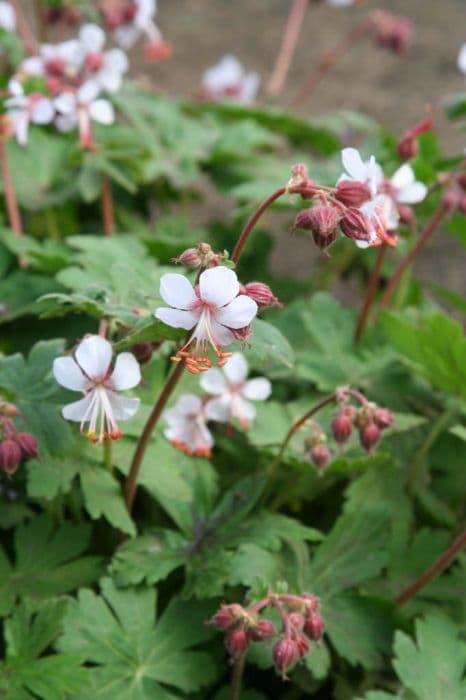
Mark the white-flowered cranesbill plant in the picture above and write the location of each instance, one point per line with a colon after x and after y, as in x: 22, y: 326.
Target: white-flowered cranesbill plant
x: 213, y: 310
x: 186, y: 426
x: 90, y: 370
x: 232, y: 392
x: 228, y: 79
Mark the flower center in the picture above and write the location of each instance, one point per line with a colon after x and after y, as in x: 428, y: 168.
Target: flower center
x: 195, y: 352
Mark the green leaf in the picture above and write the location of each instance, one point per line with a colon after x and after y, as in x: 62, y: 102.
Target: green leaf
x: 26, y: 669
x: 132, y: 657
x: 433, y: 666
x: 103, y: 497
x: 47, y: 562
x: 456, y: 107
x: 269, y: 349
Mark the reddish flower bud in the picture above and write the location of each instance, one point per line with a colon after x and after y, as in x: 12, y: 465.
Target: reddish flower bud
x: 302, y: 645
x: 9, y: 409
x: 355, y: 225
x: 157, y: 50
x: 94, y: 61
x: 451, y: 198
x: 383, y: 418
x: 10, y: 455
x: 237, y: 642
x: 223, y: 618
x: 406, y: 214
x: 314, y: 627
x: 461, y: 180
x: 342, y: 427
x: 189, y: 257
x: 407, y: 147
x: 312, y: 603
x: 113, y: 17
x: 369, y: 435
x: 394, y: 32
x: 28, y: 445
x: 244, y: 335
x: 142, y: 352
x: 324, y: 221
x: 296, y: 620
x: 261, y: 293
x: 284, y: 654
x: 352, y: 193
x: 129, y: 12
x: 265, y: 629
x: 320, y: 456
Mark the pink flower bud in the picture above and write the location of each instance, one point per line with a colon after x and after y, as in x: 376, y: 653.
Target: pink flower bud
x: 394, y: 32
x: 94, y: 61
x: 9, y: 409
x: 406, y: 214
x: 265, y: 629
x: 244, y: 335
x: 369, y: 435
x: 355, y: 225
x: 342, y: 427
x: 296, y: 620
x: 284, y: 654
x: 324, y: 222
x: 352, y: 193
x: 314, y: 627
x: 461, y: 180
x: 262, y: 295
x: 223, y: 618
x: 189, y: 257
x: 28, y: 445
x: 237, y: 642
x: 302, y: 645
x: 129, y: 12
x: 10, y: 455
x: 320, y: 456
x: 451, y: 198
x: 383, y: 418
x: 157, y: 50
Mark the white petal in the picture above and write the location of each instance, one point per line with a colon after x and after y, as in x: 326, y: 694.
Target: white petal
x: 213, y: 381
x: 77, y: 410
x: 221, y: 335
x: 7, y: 17
x: 236, y: 368
x: 126, y: 35
x: 228, y: 71
x: 462, y: 59
x: 177, y: 291
x: 88, y: 91
x: 219, y: 409
x: 116, y: 60
x: 238, y: 313
x: 110, y: 81
x: 92, y: 37
x: 127, y: 373
x: 412, y: 194
x: 68, y: 374
x: 15, y: 88
x: 102, y: 111
x: 243, y: 410
x: 123, y: 408
x: 94, y: 355
x: 257, y: 389
x: 66, y: 122
x: 250, y: 87
x: 33, y: 66
x: 403, y: 177
x: 176, y: 318
x: 354, y: 164
x: 65, y: 103
x: 43, y: 111
x: 218, y: 285
x: 187, y: 405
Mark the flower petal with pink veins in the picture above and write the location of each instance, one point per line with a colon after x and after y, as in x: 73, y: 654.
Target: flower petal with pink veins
x: 177, y: 291
x: 238, y: 313
x: 127, y: 373
x: 213, y: 381
x: 221, y: 335
x: 218, y: 286
x: 257, y: 389
x: 187, y: 404
x: 94, y: 355
x: 236, y: 368
x: 403, y: 177
x: 177, y: 318
x: 68, y: 374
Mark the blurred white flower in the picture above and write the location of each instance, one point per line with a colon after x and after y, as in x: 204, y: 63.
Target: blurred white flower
x: 90, y: 371
x: 229, y: 79
x: 233, y: 392
x: 369, y: 172
x: 23, y: 109
x: 80, y: 108
x: 105, y: 67
x: 187, y: 430
x: 142, y: 23
x: 462, y: 59
x: 7, y: 17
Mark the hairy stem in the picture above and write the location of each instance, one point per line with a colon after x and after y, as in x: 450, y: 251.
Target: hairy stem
x: 436, y: 569
x: 430, y: 228
x: 238, y: 249
x: 14, y: 217
x: 237, y: 677
x: 108, y: 216
x: 372, y: 286
x: 288, y: 46
x: 328, y: 61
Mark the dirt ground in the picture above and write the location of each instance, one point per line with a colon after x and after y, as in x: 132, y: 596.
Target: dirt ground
x: 394, y: 90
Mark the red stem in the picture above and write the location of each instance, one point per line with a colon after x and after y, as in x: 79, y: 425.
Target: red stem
x: 430, y: 228
x: 437, y: 568
x: 288, y: 46
x: 329, y: 59
x: 238, y: 249
x: 370, y: 292
x: 14, y: 217
x: 30, y: 42
x: 107, y: 206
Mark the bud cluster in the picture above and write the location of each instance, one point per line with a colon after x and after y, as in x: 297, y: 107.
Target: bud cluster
x: 368, y: 419
x: 394, y: 32
x: 301, y: 624
x: 454, y: 195
x: 14, y: 444
x: 201, y: 256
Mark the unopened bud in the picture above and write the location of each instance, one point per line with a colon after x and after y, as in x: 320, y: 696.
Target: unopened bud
x: 223, y: 618
x: 394, y: 32
x: 284, y: 654
x: 244, y: 335
x: 461, y: 180
x: 237, y: 642
x: 406, y: 214
x: 355, y: 225
x: 352, y: 193
x: 383, y: 418
x: 320, y: 456
x: 314, y: 627
x: 302, y: 645
x: 342, y: 427
x: 9, y: 409
x: 451, y: 198
x: 28, y: 444
x: 407, y: 147
x: 261, y: 294
x: 189, y: 257
x: 10, y: 455
x: 265, y: 629
x: 157, y: 50
x: 322, y: 220
x: 142, y: 352
x: 296, y: 620
x: 94, y: 61
x: 369, y: 436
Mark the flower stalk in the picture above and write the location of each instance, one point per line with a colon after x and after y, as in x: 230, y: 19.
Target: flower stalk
x: 108, y: 215
x: 14, y: 217
x: 288, y: 46
x: 371, y: 290
x: 237, y: 677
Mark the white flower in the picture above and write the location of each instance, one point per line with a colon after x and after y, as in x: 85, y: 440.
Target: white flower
x: 107, y: 68
x: 90, y: 371
x: 233, y: 393
x: 212, y: 311
x: 127, y: 34
x: 404, y: 187
x: 340, y: 3
x: 23, y: 109
x: 187, y: 430
x: 381, y: 217
x: 462, y: 59
x: 7, y: 17
x: 229, y: 79
x: 78, y: 109
x: 368, y: 172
